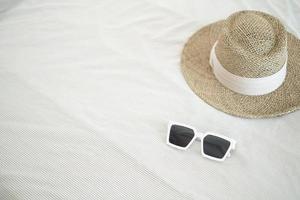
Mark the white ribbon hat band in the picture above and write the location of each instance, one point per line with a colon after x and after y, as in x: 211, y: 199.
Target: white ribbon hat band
x: 243, y: 85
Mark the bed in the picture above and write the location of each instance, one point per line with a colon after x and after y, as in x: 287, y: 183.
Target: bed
x: 87, y: 90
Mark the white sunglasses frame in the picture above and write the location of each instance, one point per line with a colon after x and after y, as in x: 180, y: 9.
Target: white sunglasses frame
x: 199, y: 135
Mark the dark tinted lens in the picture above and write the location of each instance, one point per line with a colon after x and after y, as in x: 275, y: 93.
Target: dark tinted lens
x: 180, y: 135
x: 215, y: 146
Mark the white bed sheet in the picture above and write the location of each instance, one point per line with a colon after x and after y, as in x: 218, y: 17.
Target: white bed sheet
x: 87, y: 88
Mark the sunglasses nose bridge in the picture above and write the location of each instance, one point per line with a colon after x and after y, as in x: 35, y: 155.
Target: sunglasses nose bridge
x: 199, y: 135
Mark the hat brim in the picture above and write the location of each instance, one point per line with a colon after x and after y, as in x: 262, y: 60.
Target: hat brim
x: 200, y: 78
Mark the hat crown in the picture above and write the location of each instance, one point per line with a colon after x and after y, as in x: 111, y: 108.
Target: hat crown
x: 253, y: 33
x: 252, y: 44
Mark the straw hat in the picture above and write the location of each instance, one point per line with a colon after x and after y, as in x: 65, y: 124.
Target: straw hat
x: 247, y: 65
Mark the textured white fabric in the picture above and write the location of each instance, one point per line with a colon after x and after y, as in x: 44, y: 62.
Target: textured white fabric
x: 87, y: 88
x: 243, y: 85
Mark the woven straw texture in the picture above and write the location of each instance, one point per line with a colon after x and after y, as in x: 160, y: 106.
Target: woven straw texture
x: 200, y: 77
x: 250, y: 40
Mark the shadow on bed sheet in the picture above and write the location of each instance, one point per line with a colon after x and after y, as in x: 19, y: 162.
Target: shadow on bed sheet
x: 6, y: 194
x: 6, y: 5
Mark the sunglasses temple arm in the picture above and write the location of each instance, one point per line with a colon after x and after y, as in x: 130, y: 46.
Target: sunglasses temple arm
x: 232, y: 147
x: 233, y: 144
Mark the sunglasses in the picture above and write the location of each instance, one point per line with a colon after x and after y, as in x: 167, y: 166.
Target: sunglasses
x: 213, y: 146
